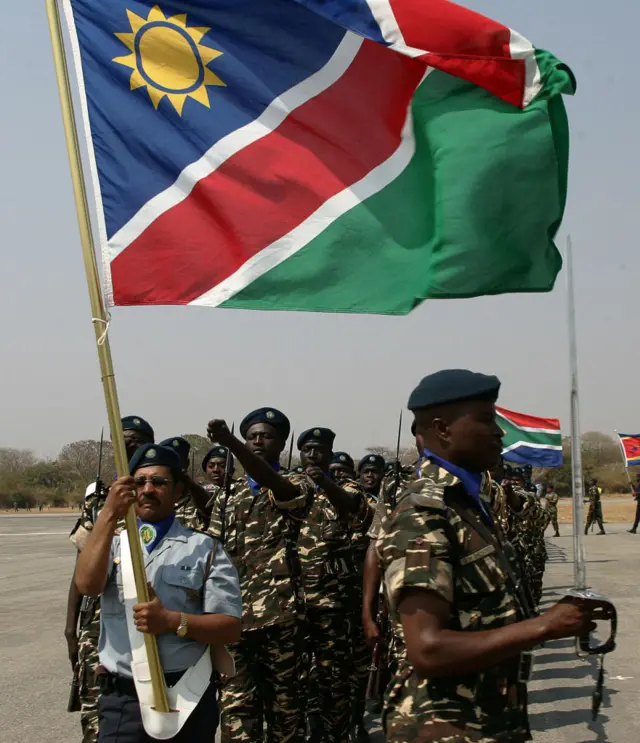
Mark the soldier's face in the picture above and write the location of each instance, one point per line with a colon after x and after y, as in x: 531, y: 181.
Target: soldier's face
x: 215, y: 470
x: 315, y: 453
x: 156, y: 498
x: 265, y: 442
x: 474, y: 439
x: 134, y: 439
x: 341, y: 471
x: 371, y: 477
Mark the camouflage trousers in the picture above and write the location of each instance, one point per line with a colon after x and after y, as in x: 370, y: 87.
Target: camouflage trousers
x: 361, y: 662
x: 402, y: 729
x: 88, y: 688
x: 329, y: 643
x: 266, y: 690
x: 553, y: 520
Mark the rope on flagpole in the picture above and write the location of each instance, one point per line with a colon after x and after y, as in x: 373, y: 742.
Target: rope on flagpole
x: 100, y: 321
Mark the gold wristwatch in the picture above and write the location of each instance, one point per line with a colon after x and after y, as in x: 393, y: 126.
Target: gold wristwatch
x: 183, y: 626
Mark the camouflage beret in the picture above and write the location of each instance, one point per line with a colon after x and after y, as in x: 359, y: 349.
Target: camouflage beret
x: 452, y: 385
x: 272, y: 416
x: 136, y: 423
x: 151, y: 455
x: 323, y: 435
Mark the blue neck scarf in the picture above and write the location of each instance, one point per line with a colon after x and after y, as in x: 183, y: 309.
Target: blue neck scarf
x: 472, y: 481
x: 152, y: 534
x: 256, y: 486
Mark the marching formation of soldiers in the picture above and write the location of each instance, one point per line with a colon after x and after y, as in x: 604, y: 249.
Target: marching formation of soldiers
x: 323, y: 554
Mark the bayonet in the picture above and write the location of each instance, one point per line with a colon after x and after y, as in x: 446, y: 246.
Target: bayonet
x: 227, y: 489
x: 290, y: 453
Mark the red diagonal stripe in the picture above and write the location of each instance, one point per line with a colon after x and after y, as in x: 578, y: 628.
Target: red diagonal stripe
x: 529, y: 421
x: 463, y: 43
x: 269, y: 187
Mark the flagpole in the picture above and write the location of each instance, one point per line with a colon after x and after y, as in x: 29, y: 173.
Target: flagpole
x: 100, y: 325
x: 579, y: 567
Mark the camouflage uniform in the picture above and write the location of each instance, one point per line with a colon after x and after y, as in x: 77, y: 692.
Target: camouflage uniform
x: 329, y: 581
x: 260, y: 536
x: 390, y: 496
x: 426, y: 544
x: 89, y: 626
x: 552, y: 507
x: 361, y: 652
x: 188, y: 513
x: 217, y: 503
x: 595, y: 509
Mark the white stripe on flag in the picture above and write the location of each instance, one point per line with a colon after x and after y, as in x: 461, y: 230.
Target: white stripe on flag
x: 391, y: 32
x: 289, y: 244
x: 521, y: 48
x: 531, y: 445
x: 276, y: 112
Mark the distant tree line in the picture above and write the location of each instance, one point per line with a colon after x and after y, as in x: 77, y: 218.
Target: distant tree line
x: 28, y: 482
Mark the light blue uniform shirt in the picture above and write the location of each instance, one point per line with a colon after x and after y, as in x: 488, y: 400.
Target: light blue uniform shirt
x: 176, y: 570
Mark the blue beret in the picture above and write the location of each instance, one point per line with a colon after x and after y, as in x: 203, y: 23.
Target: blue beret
x: 181, y: 446
x: 272, y: 416
x: 324, y: 435
x: 372, y: 459
x: 341, y: 457
x: 150, y: 455
x: 216, y: 452
x: 451, y: 385
x: 136, y: 423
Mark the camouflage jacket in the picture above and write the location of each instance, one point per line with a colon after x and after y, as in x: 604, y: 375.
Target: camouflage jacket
x: 260, y: 540
x: 359, y: 529
x: 217, y: 504
x: 326, y: 555
x: 388, y: 498
x: 188, y: 513
x: 552, y: 500
x: 426, y: 544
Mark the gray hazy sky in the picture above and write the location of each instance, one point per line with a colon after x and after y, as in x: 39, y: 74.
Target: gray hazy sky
x: 178, y: 367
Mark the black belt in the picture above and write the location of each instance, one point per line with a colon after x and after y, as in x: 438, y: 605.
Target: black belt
x: 111, y: 683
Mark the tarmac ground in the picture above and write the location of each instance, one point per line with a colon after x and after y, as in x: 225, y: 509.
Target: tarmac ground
x: 36, y: 562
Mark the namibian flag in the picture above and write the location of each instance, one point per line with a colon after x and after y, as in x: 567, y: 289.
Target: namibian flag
x: 530, y: 440
x: 631, y: 447
x: 351, y: 156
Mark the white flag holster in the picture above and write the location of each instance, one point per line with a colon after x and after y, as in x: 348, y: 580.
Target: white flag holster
x: 185, y: 695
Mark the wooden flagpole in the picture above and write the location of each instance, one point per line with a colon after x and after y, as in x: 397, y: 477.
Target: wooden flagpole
x: 100, y: 325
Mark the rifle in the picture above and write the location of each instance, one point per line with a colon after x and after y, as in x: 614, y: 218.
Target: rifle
x: 73, y: 705
x: 100, y: 488
x: 227, y: 490
x: 380, y: 655
x: 394, y: 497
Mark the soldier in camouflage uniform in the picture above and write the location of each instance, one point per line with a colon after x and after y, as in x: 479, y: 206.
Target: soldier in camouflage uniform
x: 391, y: 489
x: 83, y: 613
x: 329, y: 582
x: 192, y: 510
x: 451, y: 587
x: 221, y: 492
x: 370, y: 472
x: 595, y: 507
x: 262, y: 517
x: 552, y: 506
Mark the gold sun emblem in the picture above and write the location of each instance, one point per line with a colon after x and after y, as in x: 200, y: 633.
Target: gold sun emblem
x: 168, y: 59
